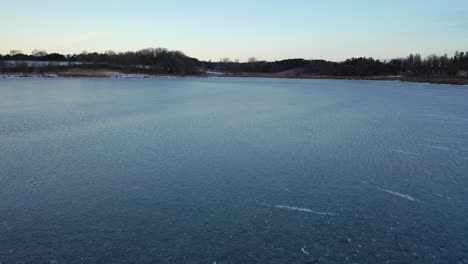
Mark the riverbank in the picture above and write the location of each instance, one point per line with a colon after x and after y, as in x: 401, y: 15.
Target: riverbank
x: 419, y: 79
x: 83, y: 73
x: 105, y: 73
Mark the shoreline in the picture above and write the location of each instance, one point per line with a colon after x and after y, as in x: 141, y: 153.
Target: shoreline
x: 108, y: 74
x: 82, y: 74
x: 416, y: 79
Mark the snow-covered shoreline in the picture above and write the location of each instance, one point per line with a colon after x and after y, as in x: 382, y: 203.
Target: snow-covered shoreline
x: 106, y: 74
x: 99, y: 75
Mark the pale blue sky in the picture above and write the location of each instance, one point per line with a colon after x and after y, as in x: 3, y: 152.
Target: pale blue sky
x: 266, y: 29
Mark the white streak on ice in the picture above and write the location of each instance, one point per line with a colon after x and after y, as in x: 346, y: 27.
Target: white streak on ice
x: 306, y: 210
x: 305, y: 251
x: 398, y: 194
x: 439, y: 147
x: 215, y: 73
x: 442, y: 196
x: 405, y: 152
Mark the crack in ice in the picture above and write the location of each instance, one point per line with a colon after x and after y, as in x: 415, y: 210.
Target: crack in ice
x: 406, y: 152
x: 306, y: 210
x: 438, y: 147
x: 398, y: 194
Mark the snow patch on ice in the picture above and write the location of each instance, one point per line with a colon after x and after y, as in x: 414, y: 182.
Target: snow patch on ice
x: 27, y: 75
x: 304, y: 251
x: 113, y: 74
x: 216, y: 73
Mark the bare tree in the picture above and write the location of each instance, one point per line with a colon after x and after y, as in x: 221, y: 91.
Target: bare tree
x: 225, y: 60
x: 111, y: 53
x: 39, y: 53
x: 432, y: 65
x: 15, y: 52
x: 252, y: 60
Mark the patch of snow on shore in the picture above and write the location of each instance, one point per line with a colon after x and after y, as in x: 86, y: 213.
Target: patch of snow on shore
x: 215, y: 73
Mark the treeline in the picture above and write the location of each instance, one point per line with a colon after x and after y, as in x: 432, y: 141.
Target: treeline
x: 413, y: 65
x: 152, y: 60
x: 163, y: 61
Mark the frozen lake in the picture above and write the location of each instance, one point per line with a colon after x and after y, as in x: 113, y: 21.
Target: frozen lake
x: 226, y: 170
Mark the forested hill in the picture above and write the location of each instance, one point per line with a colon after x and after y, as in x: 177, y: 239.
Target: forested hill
x: 413, y: 65
x: 152, y: 60
x: 163, y: 61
